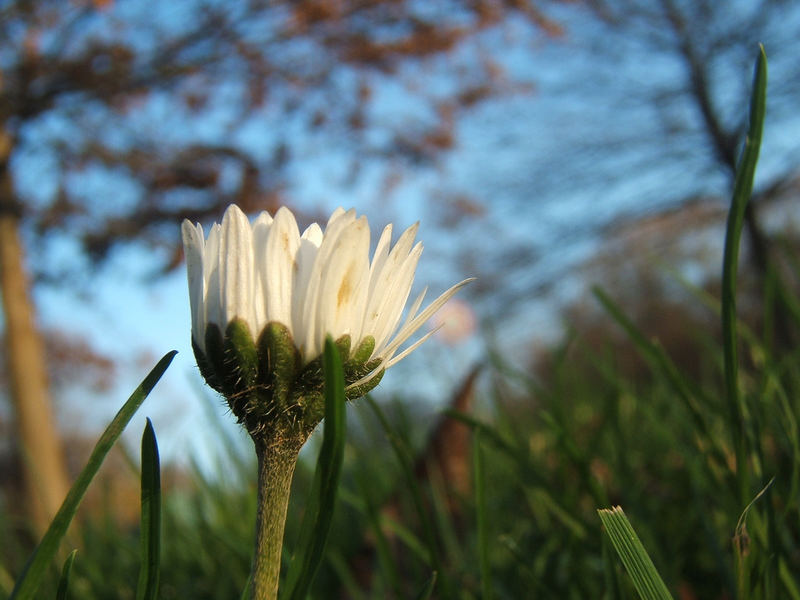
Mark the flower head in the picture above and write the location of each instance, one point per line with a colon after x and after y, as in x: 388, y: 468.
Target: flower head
x: 264, y: 298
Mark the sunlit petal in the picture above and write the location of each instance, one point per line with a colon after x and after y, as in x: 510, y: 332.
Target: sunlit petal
x: 237, y: 273
x: 320, y: 283
x: 194, y: 243
x: 277, y: 267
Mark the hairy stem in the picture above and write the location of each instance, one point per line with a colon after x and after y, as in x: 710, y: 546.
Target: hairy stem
x: 276, y: 461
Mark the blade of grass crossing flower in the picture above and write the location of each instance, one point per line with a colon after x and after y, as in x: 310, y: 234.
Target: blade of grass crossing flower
x: 637, y: 562
x: 317, y: 520
x: 147, y: 588
x: 480, y: 515
x: 742, y: 189
x: 63, y: 581
x: 44, y: 553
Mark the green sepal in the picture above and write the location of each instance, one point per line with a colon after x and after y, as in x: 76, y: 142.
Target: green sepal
x: 366, y: 387
x: 312, y: 405
x: 215, y: 357
x: 355, y: 371
x: 241, y: 356
x: 362, y: 353
x: 264, y: 381
x: 309, y: 386
x: 343, y: 346
x: 206, y: 368
x: 358, y: 370
x: 278, y: 362
x: 312, y: 380
x: 240, y: 376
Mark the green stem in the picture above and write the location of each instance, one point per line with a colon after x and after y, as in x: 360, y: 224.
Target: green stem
x: 276, y: 461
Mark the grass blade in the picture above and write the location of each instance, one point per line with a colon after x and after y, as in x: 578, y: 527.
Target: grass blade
x: 66, y: 571
x: 637, y: 562
x: 406, y: 461
x: 247, y: 589
x: 480, y: 515
x: 660, y: 362
x: 317, y: 520
x: 44, y: 553
x: 147, y: 588
x: 742, y: 189
x: 427, y: 591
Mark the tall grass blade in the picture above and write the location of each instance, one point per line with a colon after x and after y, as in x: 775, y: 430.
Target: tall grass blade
x: 44, y: 553
x: 317, y: 520
x: 147, y: 588
x: 742, y: 189
x: 63, y: 581
x: 741, y: 541
x: 637, y: 562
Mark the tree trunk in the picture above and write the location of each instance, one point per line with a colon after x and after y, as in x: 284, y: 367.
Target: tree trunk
x: 44, y: 470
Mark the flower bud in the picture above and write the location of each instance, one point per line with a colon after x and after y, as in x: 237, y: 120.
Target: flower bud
x: 264, y: 297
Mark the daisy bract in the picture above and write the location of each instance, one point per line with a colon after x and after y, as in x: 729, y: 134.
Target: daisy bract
x: 264, y: 297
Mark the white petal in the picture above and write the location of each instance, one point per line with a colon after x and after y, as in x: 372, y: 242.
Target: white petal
x: 337, y: 213
x: 344, y: 285
x: 313, y: 234
x: 193, y: 245
x: 389, y: 289
x: 277, y: 269
x: 415, y: 323
x: 306, y: 256
x: 412, y: 311
x: 386, y: 362
x: 261, y: 228
x: 390, y: 284
x: 263, y: 219
x: 317, y: 284
x: 306, y: 324
x: 394, y: 297
x: 213, y: 292
x: 237, y: 273
x: 396, y: 359
x: 381, y: 253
